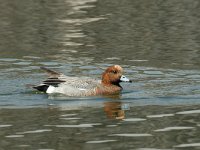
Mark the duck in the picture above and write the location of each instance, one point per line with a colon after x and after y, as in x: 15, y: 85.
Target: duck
x: 78, y: 86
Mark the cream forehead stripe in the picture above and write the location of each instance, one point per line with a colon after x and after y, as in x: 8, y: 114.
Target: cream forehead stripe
x: 118, y: 67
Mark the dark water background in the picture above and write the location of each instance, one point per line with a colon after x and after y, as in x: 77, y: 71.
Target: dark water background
x: 157, y: 42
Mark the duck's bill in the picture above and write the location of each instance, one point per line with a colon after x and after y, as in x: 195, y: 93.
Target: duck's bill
x: 125, y: 79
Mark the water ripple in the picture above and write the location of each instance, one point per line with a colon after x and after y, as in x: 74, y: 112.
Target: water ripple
x: 35, y: 131
x: 189, y: 145
x: 134, y: 119
x: 112, y: 125
x: 152, y: 149
x: 67, y: 115
x: 78, y: 6
x: 70, y: 118
x: 76, y: 126
x: 100, y: 141
x: 189, y: 112
x: 14, y: 136
x: 23, y: 146
x: 173, y: 128
x: 5, y: 125
x: 160, y: 115
x: 81, y: 21
x: 131, y: 134
x: 46, y: 149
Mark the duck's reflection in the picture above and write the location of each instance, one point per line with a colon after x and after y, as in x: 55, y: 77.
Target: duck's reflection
x: 115, y: 110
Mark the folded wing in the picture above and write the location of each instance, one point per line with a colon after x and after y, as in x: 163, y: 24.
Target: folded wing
x: 59, y: 83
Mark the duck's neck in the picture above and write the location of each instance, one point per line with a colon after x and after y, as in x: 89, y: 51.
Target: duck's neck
x: 117, y: 84
x: 113, y: 85
x: 109, y: 83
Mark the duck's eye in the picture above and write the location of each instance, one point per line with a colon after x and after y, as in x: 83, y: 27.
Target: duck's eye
x: 114, y: 71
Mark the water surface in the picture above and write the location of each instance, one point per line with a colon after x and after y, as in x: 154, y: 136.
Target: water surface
x: 157, y: 44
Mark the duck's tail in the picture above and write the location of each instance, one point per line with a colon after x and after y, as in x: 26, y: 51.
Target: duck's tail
x: 41, y: 87
x: 50, y: 83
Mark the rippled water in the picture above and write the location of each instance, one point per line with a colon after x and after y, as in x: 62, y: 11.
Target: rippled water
x: 157, y: 44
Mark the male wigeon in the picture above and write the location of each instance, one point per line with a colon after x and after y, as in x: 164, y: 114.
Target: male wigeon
x: 74, y: 86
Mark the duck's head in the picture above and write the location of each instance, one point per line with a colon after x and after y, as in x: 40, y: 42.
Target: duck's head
x: 114, y: 75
